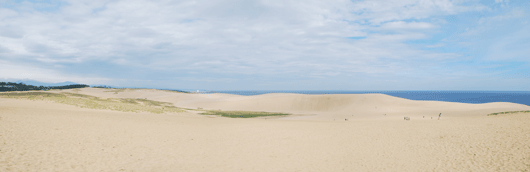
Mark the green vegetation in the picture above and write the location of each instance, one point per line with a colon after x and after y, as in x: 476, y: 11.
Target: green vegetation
x: 509, y: 112
x: 101, y: 86
x: 116, y: 90
x: 86, y: 101
x: 178, y: 91
x: 10, y: 86
x: 242, y: 114
x: 124, y: 104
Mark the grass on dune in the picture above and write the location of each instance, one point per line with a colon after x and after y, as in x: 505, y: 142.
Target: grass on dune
x: 509, y: 112
x: 115, y: 90
x: 118, y: 90
x: 91, y: 102
x: 125, y: 104
x: 242, y: 114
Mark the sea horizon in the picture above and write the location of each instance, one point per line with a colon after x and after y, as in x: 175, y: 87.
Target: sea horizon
x: 474, y: 97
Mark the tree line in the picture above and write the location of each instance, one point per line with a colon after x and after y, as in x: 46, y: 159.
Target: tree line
x: 11, y: 86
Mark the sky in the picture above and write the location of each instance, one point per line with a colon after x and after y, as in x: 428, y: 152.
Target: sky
x: 269, y: 45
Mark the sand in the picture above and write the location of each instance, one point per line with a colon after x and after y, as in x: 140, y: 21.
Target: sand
x: 47, y: 136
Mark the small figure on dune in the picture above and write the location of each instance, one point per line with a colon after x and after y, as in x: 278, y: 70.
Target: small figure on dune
x: 406, y: 118
x: 439, y: 116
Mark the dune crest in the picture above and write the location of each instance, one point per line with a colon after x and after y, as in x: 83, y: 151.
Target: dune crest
x: 314, y: 107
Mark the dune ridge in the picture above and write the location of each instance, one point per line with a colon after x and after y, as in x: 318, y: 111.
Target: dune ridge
x: 314, y: 107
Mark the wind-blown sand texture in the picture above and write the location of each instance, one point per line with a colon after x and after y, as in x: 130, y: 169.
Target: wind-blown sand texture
x: 48, y: 136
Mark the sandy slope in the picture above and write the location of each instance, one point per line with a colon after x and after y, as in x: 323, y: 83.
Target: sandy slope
x: 318, y: 107
x: 44, y: 136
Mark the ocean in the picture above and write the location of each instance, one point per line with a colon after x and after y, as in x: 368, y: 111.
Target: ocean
x: 475, y: 97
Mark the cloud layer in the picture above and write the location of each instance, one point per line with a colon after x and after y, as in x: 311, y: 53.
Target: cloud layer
x: 237, y: 44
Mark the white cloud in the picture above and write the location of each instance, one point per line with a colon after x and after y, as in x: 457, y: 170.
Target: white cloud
x: 513, y: 14
x: 380, y: 11
x: 513, y: 46
x: 275, y: 38
x: 14, y: 71
x: 401, y: 25
x: 502, y: 37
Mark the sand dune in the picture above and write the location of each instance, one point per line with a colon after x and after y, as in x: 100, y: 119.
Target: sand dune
x: 317, y: 107
x: 47, y: 136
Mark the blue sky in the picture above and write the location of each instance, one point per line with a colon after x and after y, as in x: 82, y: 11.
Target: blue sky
x: 269, y: 45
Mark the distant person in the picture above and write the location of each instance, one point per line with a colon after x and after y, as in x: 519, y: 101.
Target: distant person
x: 439, y: 116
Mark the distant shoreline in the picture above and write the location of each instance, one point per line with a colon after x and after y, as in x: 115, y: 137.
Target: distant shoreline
x: 474, y: 97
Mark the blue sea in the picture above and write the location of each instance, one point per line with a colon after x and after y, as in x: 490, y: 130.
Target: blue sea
x: 521, y: 97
